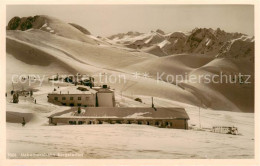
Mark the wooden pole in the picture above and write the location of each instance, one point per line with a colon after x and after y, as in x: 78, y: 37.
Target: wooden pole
x: 152, y: 103
x: 199, y: 114
x: 13, y: 85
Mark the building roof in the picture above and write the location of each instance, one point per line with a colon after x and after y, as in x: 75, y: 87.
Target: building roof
x: 103, y: 90
x: 125, y: 112
x: 73, y: 90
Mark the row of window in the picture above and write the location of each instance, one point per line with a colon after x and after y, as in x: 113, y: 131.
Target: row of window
x: 72, y: 104
x: 167, y: 124
x: 71, y: 98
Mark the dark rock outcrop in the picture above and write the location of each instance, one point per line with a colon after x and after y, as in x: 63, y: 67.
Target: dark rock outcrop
x: 23, y: 23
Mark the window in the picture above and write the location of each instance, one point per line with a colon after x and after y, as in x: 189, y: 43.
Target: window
x: 63, y: 98
x: 56, y: 98
x: 79, y: 98
x: 72, y: 122
x: 80, y: 122
x: 71, y: 98
x: 79, y: 104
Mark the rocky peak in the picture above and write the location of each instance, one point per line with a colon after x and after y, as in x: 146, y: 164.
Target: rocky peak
x: 160, y: 31
x: 24, y: 23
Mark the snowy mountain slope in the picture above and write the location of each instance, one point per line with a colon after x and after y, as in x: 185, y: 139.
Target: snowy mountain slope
x: 155, y: 50
x: 94, y: 61
x: 48, y: 24
x: 49, y: 52
x: 219, y: 96
x: 98, y: 55
x: 242, y: 47
x: 85, y: 58
x: 83, y: 30
x: 232, y: 96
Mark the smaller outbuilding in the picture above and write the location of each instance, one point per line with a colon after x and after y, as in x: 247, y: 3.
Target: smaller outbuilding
x: 83, y: 96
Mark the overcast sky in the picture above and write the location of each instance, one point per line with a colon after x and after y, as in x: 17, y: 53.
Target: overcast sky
x: 105, y: 20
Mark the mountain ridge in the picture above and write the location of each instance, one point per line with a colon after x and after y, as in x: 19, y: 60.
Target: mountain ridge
x: 199, y: 40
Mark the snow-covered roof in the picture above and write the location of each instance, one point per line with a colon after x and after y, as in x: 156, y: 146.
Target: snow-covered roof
x: 125, y: 112
x: 73, y: 90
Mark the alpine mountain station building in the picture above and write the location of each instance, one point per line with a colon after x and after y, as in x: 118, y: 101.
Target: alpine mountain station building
x: 161, y: 117
x: 96, y: 105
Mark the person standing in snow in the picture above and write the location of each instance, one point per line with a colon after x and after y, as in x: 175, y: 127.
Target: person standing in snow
x: 35, y: 101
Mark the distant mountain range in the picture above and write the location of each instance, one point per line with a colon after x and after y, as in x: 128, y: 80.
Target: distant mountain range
x: 216, y: 43
x: 200, y: 40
